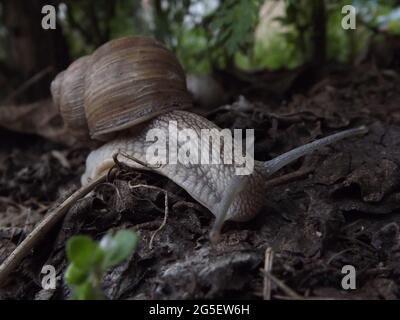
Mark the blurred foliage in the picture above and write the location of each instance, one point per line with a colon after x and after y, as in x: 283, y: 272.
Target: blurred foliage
x: 90, y: 260
x: 213, y: 33
x: 291, y: 45
x: 233, y: 24
x: 88, y: 24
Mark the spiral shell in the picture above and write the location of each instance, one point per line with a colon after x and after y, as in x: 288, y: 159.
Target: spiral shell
x: 68, y: 95
x: 123, y: 83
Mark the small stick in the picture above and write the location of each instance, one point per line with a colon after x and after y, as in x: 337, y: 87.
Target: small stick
x: 286, y: 178
x: 333, y: 257
x: 269, y: 257
x: 42, y: 228
x: 165, y: 209
x: 37, y: 77
x: 146, y: 165
x: 290, y: 292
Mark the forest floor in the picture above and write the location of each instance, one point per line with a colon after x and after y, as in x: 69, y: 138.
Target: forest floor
x: 346, y: 211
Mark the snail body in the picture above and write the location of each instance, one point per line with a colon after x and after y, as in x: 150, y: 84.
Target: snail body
x: 215, y: 186
x: 206, y: 183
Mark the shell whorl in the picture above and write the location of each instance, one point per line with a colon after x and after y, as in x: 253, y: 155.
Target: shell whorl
x: 71, y: 102
x: 123, y: 83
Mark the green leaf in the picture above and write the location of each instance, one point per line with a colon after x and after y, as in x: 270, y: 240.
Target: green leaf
x: 89, y: 260
x: 74, y: 275
x: 233, y: 23
x: 117, y: 248
x: 86, y: 291
x: 83, y: 252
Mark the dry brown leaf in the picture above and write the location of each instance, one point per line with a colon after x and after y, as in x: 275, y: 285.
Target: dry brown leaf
x: 40, y: 118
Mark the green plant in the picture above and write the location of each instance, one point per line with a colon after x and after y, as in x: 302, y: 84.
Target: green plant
x: 89, y: 261
x: 234, y: 22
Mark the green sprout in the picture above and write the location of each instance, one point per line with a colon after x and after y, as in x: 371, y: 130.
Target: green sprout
x: 89, y: 260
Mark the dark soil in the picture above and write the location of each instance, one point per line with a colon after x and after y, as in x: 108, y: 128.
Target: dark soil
x: 346, y: 211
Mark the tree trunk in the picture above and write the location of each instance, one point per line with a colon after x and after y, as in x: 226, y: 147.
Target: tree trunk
x: 318, y: 32
x: 30, y: 48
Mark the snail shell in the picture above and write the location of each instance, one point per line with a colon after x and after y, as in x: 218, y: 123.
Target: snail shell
x: 123, y: 83
x: 68, y: 94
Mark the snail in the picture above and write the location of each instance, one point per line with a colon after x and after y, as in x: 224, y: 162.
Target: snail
x: 216, y: 186
x: 121, y: 92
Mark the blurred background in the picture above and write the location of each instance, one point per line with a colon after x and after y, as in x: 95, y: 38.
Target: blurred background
x: 234, y: 37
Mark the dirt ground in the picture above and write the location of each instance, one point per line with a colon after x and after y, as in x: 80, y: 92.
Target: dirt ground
x: 345, y: 211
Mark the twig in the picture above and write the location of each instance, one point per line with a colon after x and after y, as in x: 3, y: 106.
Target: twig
x: 269, y: 257
x: 118, y: 193
x: 42, y: 228
x: 288, y: 177
x: 359, y: 242
x: 37, y: 77
x: 338, y: 254
x: 290, y: 292
x: 145, y: 165
x: 130, y: 157
x: 61, y: 159
x: 165, y: 209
